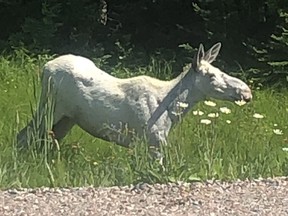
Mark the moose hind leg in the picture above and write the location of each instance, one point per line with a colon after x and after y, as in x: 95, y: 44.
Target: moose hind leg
x: 62, y: 127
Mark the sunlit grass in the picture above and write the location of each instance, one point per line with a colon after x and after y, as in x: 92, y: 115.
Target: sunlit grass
x: 240, y: 144
x: 216, y: 139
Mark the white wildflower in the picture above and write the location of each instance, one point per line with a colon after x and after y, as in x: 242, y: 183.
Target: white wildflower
x: 213, y: 115
x: 228, y: 121
x: 225, y: 110
x: 182, y: 104
x: 205, y: 121
x: 240, y: 102
x: 278, y: 131
x: 198, y: 112
x: 258, y: 116
x: 210, y: 103
x: 285, y: 149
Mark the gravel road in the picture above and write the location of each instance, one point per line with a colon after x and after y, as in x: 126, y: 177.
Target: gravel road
x: 257, y: 197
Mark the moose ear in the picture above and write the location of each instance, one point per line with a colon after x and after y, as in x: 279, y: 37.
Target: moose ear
x: 200, y: 55
x: 212, y: 53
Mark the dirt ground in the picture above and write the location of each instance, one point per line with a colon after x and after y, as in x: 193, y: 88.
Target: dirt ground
x: 257, y: 197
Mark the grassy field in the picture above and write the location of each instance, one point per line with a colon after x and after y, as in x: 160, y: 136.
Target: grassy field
x: 240, y: 144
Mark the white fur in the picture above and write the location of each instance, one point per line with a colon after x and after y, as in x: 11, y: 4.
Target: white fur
x: 117, y: 109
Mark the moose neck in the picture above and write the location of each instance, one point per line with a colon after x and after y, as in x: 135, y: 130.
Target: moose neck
x: 181, y: 89
x: 185, y: 91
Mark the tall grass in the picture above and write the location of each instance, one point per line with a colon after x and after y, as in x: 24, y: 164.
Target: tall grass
x: 234, y: 145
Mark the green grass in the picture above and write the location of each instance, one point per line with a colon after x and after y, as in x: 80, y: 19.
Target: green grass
x: 245, y: 148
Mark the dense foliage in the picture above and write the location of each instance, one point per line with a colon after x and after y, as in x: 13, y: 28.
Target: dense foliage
x: 254, y: 33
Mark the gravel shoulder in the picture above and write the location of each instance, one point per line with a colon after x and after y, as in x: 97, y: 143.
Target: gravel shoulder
x: 256, y: 197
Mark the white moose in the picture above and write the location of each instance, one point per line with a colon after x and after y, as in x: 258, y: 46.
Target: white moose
x: 103, y: 105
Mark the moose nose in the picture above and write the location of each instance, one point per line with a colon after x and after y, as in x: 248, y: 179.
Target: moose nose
x: 247, y: 95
